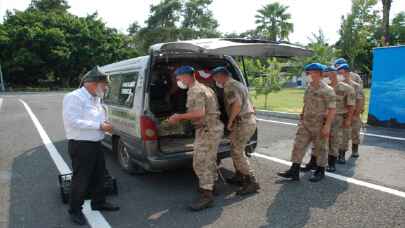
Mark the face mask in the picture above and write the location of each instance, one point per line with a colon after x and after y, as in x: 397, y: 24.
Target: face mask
x: 219, y: 85
x: 340, y: 78
x: 326, y: 81
x: 100, y: 91
x: 181, y: 85
x: 309, y: 78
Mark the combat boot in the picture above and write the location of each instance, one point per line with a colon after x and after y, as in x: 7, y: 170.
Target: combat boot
x: 318, y: 175
x: 293, y: 173
x: 355, y: 150
x: 331, y: 164
x: 236, y: 179
x: 311, y: 165
x: 249, y: 186
x: 342, y: 157
x: 205, y: 200
x: 215, y: 190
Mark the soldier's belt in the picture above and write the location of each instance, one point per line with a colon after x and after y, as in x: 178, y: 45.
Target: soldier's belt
x: 244, y: 117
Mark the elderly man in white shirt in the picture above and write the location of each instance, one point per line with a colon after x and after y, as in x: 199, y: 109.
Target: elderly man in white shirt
x: 85, y: 124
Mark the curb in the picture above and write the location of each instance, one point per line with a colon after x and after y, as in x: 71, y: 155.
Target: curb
x: 286, y: 115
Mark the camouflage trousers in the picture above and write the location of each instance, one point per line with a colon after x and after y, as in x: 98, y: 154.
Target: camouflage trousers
x: 308, y: 133
x: 352, y: 133
x: 336, y: 135
x: 241, y: 133
x: 205, y: 155
x: 356, y: 127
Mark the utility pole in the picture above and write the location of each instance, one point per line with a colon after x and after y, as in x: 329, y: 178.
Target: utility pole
x: 2, y: 88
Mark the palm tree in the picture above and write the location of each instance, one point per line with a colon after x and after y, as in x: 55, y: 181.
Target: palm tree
x: 273, y: 22
x: 386, y: 20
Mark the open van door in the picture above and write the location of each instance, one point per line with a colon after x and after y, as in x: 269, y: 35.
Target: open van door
x: 233, y: 47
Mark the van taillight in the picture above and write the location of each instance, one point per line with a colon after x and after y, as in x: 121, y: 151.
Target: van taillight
x: 148, y: 129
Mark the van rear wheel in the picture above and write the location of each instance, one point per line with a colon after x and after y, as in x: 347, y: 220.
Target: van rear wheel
x: 126, y: 163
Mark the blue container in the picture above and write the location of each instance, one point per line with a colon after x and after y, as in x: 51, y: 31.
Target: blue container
x: 387, y: 101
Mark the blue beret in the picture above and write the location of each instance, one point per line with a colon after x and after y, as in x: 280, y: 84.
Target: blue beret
x: 329, y: 69
x: 340, y: 61
x: 184, y: 70
x: 343, y: 67
x: 314, y: 66
x: 220, y: 70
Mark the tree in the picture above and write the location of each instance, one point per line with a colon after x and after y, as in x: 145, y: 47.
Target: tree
x: 273, y: 22
x: 49, y: 5
x: 270, y: 78
x: 172, y: 20
x: 323, y: 52
x: 397, y: 29
x: 386, y: 20
x: 198, y: 20
x: 134, y: 28
x: 50, y: 44
x: 358, y: 34
x: 165, y: 14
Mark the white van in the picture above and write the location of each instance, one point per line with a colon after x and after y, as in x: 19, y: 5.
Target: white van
x: 143, y: 94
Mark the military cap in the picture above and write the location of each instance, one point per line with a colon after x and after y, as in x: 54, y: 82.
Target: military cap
x: 314, y: 66
x: 343, y: 67
x: 95, y: 75
x: 220, y: 70
x: 340, y: 61
x: 329, y: 69
x: 184, y: 70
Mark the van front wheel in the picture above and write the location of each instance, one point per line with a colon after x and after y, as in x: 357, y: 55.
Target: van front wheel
x: 124, y: 158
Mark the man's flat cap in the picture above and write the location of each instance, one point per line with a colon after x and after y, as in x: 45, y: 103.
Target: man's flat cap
x: 95, y: 75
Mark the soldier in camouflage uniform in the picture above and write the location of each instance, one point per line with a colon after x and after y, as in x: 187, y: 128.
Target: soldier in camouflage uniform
x: 355, y: 77
x: 202, y: 110
x: 314, y: 127
x: 241, y: 124
x: 345, y: 101
x: 354, y: 131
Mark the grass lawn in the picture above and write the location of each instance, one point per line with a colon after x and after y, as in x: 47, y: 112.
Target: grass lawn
x: 290, y: 100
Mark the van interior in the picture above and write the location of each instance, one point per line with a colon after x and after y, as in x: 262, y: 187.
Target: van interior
x: 166, y: 99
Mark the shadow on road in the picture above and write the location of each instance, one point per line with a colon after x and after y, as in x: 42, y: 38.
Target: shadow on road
x: 294, y: 201
x: 156, y: 199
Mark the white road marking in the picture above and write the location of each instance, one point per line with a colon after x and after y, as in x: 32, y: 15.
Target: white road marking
x: 1, y: 102
x: 342, y: 178
x: 367, y: 134
x: 94, y: 218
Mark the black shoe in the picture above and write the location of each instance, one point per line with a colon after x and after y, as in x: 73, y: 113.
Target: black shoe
x: 215, y: 190
x: 236, y: 179
x: 355, y: 150
x: 311, y: 165
x: 205, y: 200
x: 105, y: 207
x: 293, y: 173
x: 318, y: 175
x: 342, y: 157
x: 331, y: 164
x: 78, y: 218
x: 249, y: 186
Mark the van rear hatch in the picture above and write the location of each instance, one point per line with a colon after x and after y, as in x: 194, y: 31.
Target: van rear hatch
x: 233, y: 47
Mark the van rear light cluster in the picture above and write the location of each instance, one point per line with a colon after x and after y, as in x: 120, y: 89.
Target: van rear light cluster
x: 148, y: 129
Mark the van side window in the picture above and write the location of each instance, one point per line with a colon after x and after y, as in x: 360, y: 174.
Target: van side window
x: 122, y: 89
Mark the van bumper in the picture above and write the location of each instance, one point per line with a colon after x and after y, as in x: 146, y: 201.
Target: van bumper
x: 171, y: 161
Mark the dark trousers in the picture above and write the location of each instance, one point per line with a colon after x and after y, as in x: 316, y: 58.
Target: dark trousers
x: 88, y: 165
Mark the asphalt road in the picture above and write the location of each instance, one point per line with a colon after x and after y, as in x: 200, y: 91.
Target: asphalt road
x: 29, y: 195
